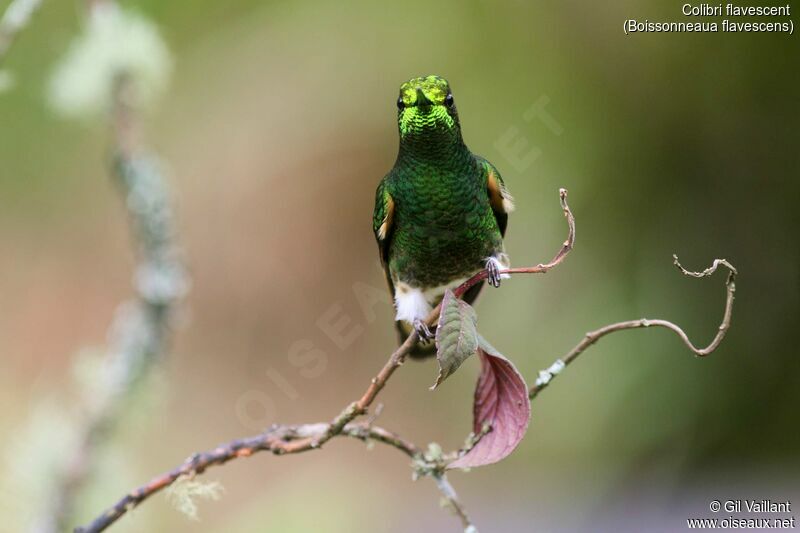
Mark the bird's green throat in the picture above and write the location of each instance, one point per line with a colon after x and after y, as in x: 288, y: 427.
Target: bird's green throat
x: 428, y: 122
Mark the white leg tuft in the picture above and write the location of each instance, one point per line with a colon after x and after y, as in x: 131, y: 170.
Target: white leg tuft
x: 410, y: 304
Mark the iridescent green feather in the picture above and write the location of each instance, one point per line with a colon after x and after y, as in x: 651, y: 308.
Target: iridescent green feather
x: 439, y: 222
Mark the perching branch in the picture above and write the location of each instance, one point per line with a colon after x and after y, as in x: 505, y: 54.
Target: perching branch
x: 275, y: 440
x: 280, y: 440
x: 283, y: 439
x: 287, y: 439
x: 546, y: 376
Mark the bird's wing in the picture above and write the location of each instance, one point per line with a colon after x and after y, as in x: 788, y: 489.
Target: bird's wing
x: 499, y: 198
x: 502, y: 204
x: 382, y: 226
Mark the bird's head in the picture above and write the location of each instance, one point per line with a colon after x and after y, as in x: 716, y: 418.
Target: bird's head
x: 426, y: 107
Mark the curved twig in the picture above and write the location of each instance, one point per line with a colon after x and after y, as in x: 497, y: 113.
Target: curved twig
x: 541, y: 268
x: 546, y: 376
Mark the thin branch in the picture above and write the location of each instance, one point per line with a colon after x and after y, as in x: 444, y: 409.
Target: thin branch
x: 15, y: 18
x: 276, y: 439
x: 546, y: 376
x: 282, y: 440
x: 451, y: 498
x: 541, y: 268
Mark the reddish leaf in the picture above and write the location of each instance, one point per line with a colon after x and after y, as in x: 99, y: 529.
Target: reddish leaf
x: 501, y: 400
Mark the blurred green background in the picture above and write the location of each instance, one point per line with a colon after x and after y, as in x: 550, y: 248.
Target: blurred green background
x: 280, y: 121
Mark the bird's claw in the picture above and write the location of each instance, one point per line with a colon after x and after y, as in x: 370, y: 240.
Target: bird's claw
x: 422, y: 329
x: 493, y: 273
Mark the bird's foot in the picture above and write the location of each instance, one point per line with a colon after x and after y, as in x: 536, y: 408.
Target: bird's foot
x: 494, y: 265
x: 422, y: 330
x: 493, y: 272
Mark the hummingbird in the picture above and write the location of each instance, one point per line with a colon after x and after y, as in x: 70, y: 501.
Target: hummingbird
x: 440, y: 213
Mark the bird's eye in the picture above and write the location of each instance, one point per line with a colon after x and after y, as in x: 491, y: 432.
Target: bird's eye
x: 400, y: 103
x: 448, y: 100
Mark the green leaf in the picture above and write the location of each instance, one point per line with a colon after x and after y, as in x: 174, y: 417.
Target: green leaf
x: 456, y: 335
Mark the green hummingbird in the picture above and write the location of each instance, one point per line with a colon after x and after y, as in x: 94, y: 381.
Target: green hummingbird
x: 440, y: 213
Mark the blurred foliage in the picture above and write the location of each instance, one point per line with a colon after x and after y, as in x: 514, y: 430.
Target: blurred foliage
x: 278, y: 126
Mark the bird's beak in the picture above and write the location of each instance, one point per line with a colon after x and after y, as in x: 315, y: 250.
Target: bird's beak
x: 422, y: 100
